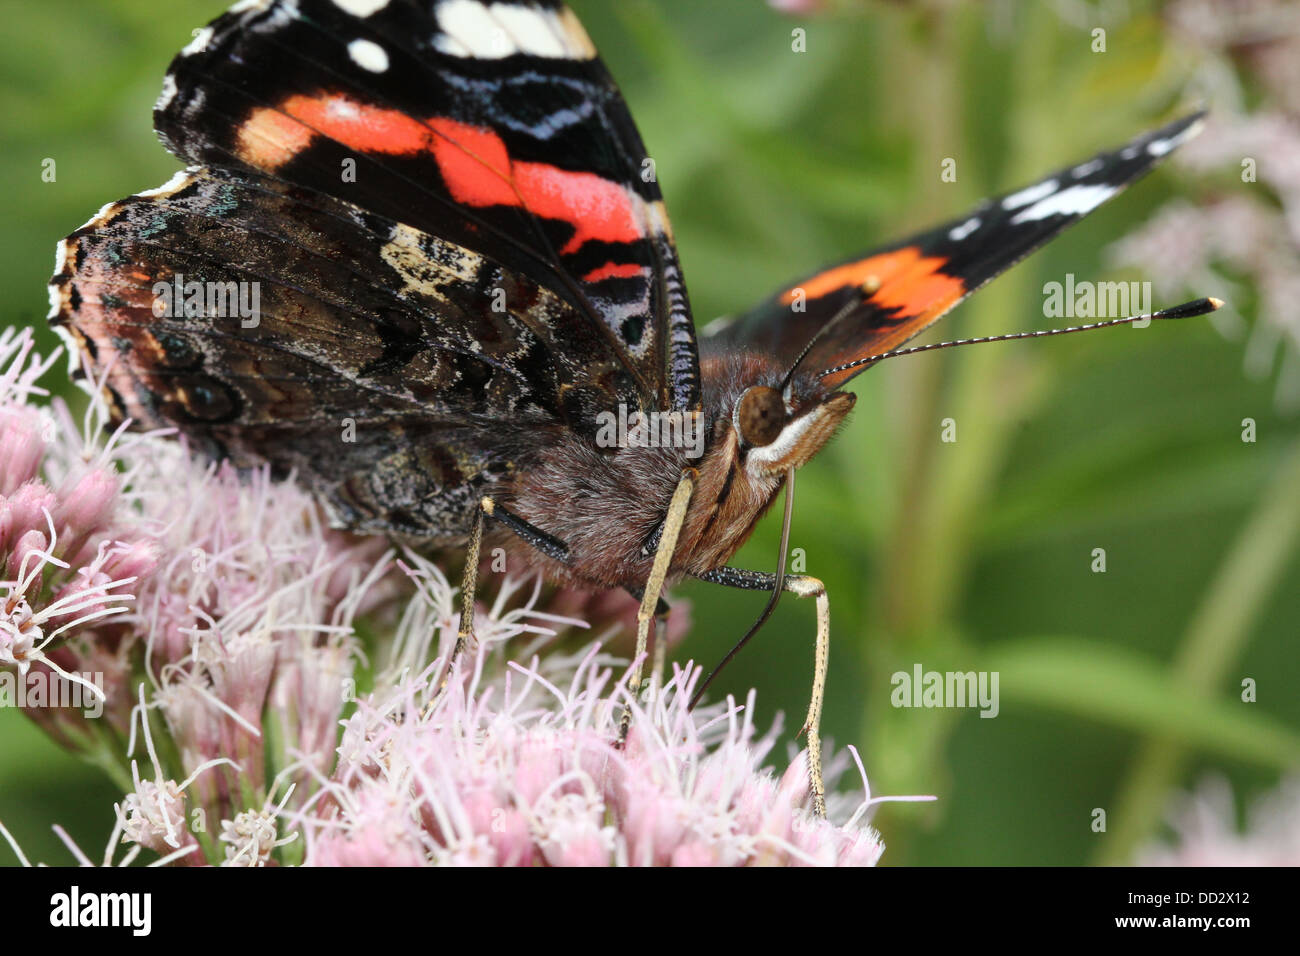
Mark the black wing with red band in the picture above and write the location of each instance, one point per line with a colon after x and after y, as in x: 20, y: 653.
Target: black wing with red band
x: 875, y: 302
x: 491, y: 125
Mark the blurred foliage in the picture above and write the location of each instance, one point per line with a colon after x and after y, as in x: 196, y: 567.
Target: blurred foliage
x: 969, y: 555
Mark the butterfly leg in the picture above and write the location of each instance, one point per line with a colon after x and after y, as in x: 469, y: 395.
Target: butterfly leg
x: 548, y: 545
x: 801, y: 586
x: 658, y: 647
x: 659, y: 650
x: 645, y: 614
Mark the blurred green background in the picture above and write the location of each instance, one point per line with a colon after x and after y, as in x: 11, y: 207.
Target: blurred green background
x: 1116, y: 687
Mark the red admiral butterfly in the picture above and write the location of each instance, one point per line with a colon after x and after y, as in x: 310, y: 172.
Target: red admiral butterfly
x: 415, y: 260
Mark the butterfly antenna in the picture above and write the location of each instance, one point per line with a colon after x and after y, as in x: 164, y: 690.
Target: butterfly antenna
x: 772, y: 599
x: 1185, y: 311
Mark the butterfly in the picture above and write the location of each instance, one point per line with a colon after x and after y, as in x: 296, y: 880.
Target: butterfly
x: 417, y: 260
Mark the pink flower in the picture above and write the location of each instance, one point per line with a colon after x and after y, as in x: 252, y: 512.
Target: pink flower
x: 21, y: 448
x: 253, y: 835
x: 31, y: 621
x: 69, y: 563
x: 1206, y: 832
x: 525, y: 769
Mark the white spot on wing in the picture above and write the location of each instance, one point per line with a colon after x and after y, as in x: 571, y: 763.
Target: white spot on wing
x: 179, y: 180
x: 453, y: 46
x: 958, y: 233
x: 1075, y: 201
x: 73, y: 350
x: 168, y: 93
x: 360, y: 8
x: 471, y: 27
x: 368, y: 55
x: 60, y: 268
x: 576, y: 41
x: 1087, y: 169
x: 492, y: 31
x: 654, y: 215
x: 1158, y: 147
x: 58, y: 297
x: 1030, y: 194
x: 533, y: 31
x: 427, y: 264
x: 106, y: 212
x: 199, y: 43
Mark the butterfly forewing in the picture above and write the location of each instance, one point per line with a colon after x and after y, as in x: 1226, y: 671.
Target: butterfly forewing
x: 491, y: 125
x: 883, y: 298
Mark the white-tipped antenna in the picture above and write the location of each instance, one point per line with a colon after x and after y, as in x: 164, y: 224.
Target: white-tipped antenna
x: 1185, y: 311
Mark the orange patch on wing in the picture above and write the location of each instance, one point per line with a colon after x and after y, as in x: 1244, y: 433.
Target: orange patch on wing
x: 272, y: 136
x: 903, y: 279
x: 594, y: 206
x: 921, y: 295
x: 474, y: 162
x: 268, y: 138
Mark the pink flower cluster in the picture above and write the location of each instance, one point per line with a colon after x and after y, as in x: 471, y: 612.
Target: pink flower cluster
x: 70, y: 555
x: 226, y: 631
x: 537, y: 779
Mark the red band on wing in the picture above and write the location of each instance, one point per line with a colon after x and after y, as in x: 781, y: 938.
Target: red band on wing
x: 272, y: 136
x: 613, y: 270
x: 475, y: 162
x: 478, y: 170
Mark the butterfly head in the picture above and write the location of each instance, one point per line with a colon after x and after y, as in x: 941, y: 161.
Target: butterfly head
x: 761, y: 428
x: 778, y: 431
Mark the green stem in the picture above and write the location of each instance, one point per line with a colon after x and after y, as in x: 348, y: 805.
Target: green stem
x: 946, y: 485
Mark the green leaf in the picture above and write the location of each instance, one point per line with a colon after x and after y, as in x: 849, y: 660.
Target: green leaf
x: 1127, y: 690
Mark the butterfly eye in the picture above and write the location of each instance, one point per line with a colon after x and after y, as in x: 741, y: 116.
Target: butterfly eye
x: 760, y: 416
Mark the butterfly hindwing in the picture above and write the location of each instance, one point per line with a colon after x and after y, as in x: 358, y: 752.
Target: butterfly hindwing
x: 885, y: 297
x: 274, y: 324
